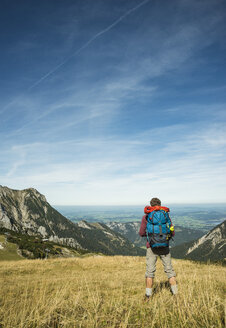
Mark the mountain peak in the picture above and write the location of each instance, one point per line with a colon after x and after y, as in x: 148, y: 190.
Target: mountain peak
x: 20, y: 194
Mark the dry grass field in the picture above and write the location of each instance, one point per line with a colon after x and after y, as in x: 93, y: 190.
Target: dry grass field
x: 101, y: 291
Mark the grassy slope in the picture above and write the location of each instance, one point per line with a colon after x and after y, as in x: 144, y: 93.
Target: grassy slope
x: 105, y: 291
x: 9, y: 252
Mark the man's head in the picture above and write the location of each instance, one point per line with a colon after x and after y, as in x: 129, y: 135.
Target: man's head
x: 155, y: 202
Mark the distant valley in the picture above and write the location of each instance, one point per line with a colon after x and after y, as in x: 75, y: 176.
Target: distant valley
x: 201, y: 217
x: 191, y: 221
x: 131, y: 231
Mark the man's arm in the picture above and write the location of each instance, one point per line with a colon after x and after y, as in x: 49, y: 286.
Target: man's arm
x: 143, y: 225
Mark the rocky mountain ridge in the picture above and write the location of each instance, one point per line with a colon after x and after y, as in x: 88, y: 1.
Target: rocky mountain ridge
x: 211, y: 246
x: 27, y: 211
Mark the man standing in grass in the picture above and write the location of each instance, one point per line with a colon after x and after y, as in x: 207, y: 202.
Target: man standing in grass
x: 157, y: 226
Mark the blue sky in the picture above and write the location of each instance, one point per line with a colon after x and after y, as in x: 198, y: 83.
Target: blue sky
x: 114, y: 102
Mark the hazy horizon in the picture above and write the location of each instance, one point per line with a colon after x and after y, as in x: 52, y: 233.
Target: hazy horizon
x: 138, y: 205
x: 198, y: 216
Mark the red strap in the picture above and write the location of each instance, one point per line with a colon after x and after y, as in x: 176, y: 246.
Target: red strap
x: 149, y: 209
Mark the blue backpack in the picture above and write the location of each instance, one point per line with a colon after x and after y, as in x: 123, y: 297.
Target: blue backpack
x: 158, y: 229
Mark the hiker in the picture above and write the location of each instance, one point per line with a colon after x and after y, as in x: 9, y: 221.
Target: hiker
x: 157, y: 226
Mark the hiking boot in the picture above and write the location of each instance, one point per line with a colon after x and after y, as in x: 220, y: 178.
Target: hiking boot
x: 146, y: 298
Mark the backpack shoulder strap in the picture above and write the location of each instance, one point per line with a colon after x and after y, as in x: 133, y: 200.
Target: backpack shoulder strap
x: 150, y: 218
x: 166, y: 215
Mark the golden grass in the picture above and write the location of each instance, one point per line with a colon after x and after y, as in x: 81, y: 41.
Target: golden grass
x: 102, y: 291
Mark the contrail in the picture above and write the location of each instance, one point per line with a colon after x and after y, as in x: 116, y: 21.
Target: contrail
x: 76, y: 52
x: 87, y: 43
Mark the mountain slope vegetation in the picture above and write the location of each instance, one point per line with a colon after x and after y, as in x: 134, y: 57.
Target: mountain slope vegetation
x: 17, y: 246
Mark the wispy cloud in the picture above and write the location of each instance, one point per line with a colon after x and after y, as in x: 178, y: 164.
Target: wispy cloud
x: 128, y: 115
x: 137, y: 167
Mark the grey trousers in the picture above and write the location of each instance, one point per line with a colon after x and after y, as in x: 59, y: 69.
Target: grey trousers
x: 151, y: 258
